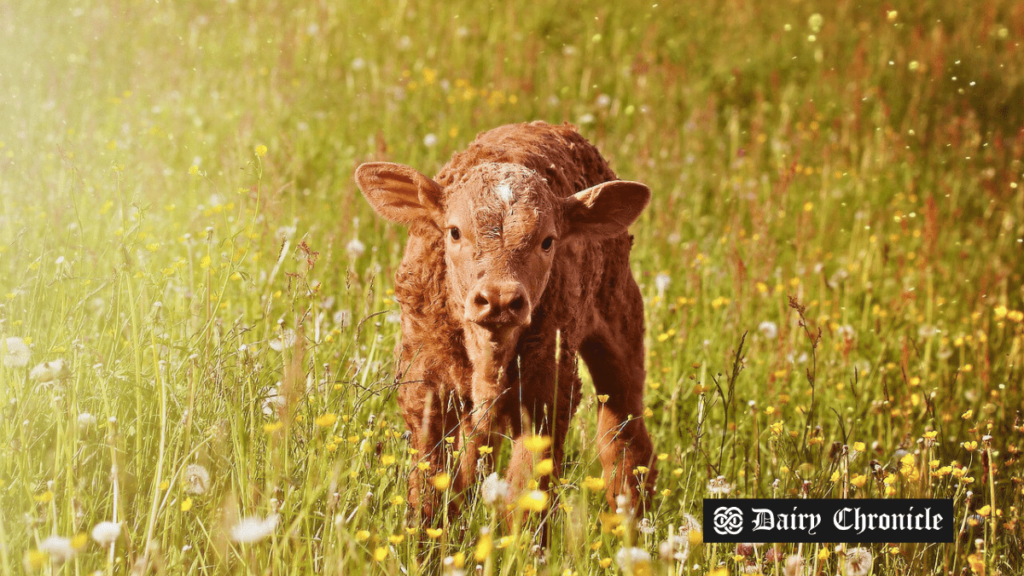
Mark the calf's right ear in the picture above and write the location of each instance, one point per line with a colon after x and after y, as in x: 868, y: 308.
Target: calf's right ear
x: 400, y: 193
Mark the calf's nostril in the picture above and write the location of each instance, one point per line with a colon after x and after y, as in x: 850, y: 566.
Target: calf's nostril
x: 481, y: 300
x: 517, y: 303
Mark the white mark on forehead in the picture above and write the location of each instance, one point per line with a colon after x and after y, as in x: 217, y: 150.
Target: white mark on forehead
x: 504, y: 192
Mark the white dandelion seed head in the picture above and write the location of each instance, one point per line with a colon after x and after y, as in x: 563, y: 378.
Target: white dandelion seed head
x: 47, y: 371
x: 769, y: 329
x: 719, y: 486
x: 494, y: 490
x: 58, y: 547
x: 253, y: 529
x: 646, y: 526
x: 677, y: 548
x: 603, y: 100
x: 286, y: 340
x: 197, y: 479
x: 846, y: 332
x: 661, y: 282
x: 358, y: 64
x: 355, y: 248
x: 585, y: 119
x: 105, y: 533
x: 794, y: 566
x: 430, y: 140
x: 632, y: 557
x: 17, y: 353
x: 86, y: 420
x: 858, y: 562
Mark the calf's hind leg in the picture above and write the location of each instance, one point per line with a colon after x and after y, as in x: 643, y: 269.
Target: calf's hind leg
x: 614, y: 355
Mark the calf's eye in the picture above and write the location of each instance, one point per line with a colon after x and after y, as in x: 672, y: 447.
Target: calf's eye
x: 455, y: 234
x: 546, y: 244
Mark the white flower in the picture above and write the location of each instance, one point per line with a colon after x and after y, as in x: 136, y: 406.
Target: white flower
x: 47, y: 371
x: 17, y: 353
x: 858, y: 562
x: 719, y: 486
x: 603, y: 100
x: 105, y: 533
x: 287, y: 340
x: 343, y: 317
x: 585, y: 119
x: 661, y: 282
x: 197, y: 479
x: 494, y: 490
x: 927, y: 331
x: 273, y: 402
x: 646, y: 526
x: 676, y: 548
x: 355, y: 248
x: 358, y: 64
x: 430, y: 140
x: 794, y: 566
x: 253, y: 529
x: 630, y: 558
x: 86, y: 420
x: 846, y: 332
x: 769, y: 329
x: 58, y: 547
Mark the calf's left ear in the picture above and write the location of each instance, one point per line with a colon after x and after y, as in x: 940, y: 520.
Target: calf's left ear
x: 605, y: 210
x: 400, y: 193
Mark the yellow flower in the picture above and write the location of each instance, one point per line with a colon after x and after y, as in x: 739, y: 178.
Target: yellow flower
x: 593, y: 484
x: 544, y: 467
x: 967, y: 415
x: 261, y: 150
x: 823, y: 554
x: 971, y: 446
x: 193, y: 170
x: 537, y: 443
x: 610, y: 521
x: 325, y: 420
x: 459, y: 559
x: 859, y: 446
x: 442, y: 481
x: 696, y: 537
x: 79, y: 541
x: 362, y: 535
x: 387, y: 459
x: 434, y: 533
x: 396, y: 539
x: 505, y: 542
x: 380, y: 554
x: 45, y: 497
x: 273, y: 427
x: 605, y: 562
x: 483, y: 546
x: 534, y: 501
x: 35, y: 559
x: 984, y: 511
x: 602, y: 398
x: 486, y: 449
x: 397, y: 500
x: 186, y: 505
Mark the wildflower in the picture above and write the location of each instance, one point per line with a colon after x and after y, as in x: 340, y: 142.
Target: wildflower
x: 794, y: 566
x: 430, y: 140
x: 632, y: 558
x: 58, y: 547
x: 355, y: 248
x: 769, y: 329
x: 16, y: 354
x: 815, y: 22
x: 544, y: 467
x: 494, y: 489
x: 602, y: 398
x: 326, y: 420
x: 396, y: 539
x: 47, y: 371
x: 605, y: 562
x: 661, y: 282
x: 646, y: 526
x: 534, y: 501
x: 34, y: 560
x: 434, y: 533
x: 193, y: 170
x: 261, y: 150
x: 362, y: 536
x: 484, y: 545
x: 719, y: 486
x: 858, y: 562
x: 380, y: 554
x: 537, y: 443
x: 197, y: 479
x: 105, y: 533
x: 677, y: 548
x: 593, y: 484
x: 86, y: 420
x: 442, y: 481
x: 253, y: 529
x: 186, y: 505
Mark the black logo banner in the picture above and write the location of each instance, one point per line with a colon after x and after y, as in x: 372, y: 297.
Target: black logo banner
x: 921, y: 520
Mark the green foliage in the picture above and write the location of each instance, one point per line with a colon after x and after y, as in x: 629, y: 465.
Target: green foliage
x: 836, y: 187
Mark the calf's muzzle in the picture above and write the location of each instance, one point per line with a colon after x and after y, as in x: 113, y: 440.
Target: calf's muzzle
x: 498, y: 305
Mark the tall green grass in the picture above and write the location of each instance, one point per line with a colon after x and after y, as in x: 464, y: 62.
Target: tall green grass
x: 179, y: 227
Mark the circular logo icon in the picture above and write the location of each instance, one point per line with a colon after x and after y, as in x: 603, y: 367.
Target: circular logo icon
x: 729, y: 521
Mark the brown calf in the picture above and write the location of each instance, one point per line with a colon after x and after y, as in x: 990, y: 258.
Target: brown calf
x: 518, y: 243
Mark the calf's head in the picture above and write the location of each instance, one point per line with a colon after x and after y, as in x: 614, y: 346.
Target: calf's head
x: 502, y: 227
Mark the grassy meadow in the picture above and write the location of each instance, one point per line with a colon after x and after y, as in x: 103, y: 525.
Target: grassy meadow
x: 196, y: 315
